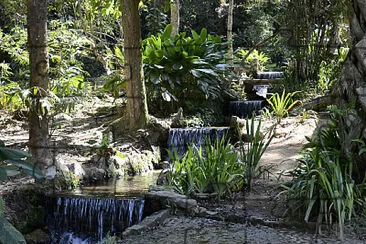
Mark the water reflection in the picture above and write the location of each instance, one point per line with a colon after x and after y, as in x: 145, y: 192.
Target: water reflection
x: 129, y: 186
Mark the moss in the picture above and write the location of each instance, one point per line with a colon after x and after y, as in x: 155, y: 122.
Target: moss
x: 66, y: 180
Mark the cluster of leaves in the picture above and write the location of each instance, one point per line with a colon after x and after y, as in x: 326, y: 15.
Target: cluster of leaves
x: 12, y: 162
x: 209, y: 169
x: 329, y: 71
x: 67, y: 76
x: 252, y: 151
x: 316, y: 42
x: 252, y: 57
x: 282, y: 104
x: 182, y: 71
x: 324, y: 185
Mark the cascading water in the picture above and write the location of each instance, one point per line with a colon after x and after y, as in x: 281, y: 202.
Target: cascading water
x: 269, y: 75
x: 261, y: 90
x: 180, y: 138
x: 88, y: 220
x: 244, y: 109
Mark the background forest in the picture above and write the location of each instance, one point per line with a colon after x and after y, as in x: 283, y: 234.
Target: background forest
x: 309, y: 41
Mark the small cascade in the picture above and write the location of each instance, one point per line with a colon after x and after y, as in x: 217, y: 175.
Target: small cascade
x: 244, y: 109
x: 261, y: 90
x: 180, y: 138
x: 269, y: 75
x: 88, y: 220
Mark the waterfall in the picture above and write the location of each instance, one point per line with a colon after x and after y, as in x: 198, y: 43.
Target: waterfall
x: 180, y: 138
x: 88, y: 220
x: 269, y: 75
x: 244, y: 109
x: 261, y: 90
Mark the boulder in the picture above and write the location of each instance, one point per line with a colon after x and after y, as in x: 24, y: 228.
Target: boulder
x: 157, y: 200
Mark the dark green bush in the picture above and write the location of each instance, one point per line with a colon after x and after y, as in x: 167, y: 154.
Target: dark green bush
x: 183, y: 71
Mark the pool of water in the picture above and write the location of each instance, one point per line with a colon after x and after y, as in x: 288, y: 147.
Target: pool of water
x: 128, y: 186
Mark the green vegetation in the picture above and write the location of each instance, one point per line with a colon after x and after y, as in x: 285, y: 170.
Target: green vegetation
x: 252, y: 151
x: 219, y: 167
x: 282, y: 104
x: 209, y: 169
x: 12, y: 163
x: 324, y: 183
x: 183, y: 71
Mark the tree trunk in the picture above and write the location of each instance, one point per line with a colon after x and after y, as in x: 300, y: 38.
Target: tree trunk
x: 230, y: 31
x: 351, y: 88
x: 39, y: 64
x: 174, y: 16
x: 137, y: 115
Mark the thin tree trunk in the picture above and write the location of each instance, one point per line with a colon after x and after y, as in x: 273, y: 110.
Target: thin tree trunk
x: 230, y: 32
x: 137, y: 113
x: 174, y: 16
x: 39, y: 64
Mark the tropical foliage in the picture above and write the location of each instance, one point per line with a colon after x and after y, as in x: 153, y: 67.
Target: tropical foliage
x: 281, y: 104
x: 181, y: 71
x: 209, y: 169
x: 324, y: 185
x: 252, y: 151
x: 12, y: 163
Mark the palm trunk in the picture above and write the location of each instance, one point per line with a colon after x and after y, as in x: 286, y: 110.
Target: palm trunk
x: 351, y: 88
x: 230, y: 32
x: 137, y: 115
x: 39, y: 64
x: 174, y: 16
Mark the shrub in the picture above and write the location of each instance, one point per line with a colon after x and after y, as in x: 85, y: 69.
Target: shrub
x: 182, y: 71
x: 323, y: 184
x: 282, y: 104
x: 252, y: 151
x: 209, y: 169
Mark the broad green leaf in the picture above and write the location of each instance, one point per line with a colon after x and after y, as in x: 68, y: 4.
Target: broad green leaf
x: 3, y: 174
x: 27, y: 168
x: 8, y: 233
x: 167, y: 32
x: 12, y: 154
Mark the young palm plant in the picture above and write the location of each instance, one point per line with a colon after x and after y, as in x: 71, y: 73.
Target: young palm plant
x: 282, y: 104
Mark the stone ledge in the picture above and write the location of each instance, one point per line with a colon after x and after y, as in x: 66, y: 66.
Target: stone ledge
x: 148, y: 222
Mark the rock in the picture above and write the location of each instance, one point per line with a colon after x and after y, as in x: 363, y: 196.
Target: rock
x: 156, y: 188
x: 50, y: 172
x: 237, y: 127
x: 177, y: 119
x: 158, y: 132
x: 157, y: 200
x: 94, y: 174
x: 78, y: 169
x: 38, y: 236
x: 162, y: 179
x: 150, y: 221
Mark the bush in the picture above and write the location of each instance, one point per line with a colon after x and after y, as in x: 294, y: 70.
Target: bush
x: 251, y: 153
x: 183, y: 71
x: 209, y: 169
x: 323, y: 185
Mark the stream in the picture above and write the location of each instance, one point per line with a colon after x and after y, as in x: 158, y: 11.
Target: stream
x: 88, y: 214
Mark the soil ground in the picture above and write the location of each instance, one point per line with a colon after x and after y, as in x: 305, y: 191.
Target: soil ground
x: 257, y: 217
